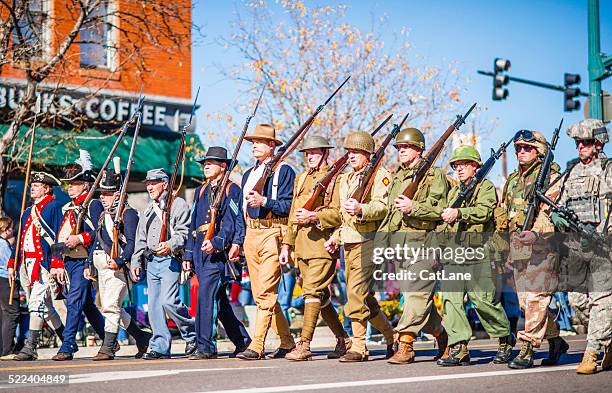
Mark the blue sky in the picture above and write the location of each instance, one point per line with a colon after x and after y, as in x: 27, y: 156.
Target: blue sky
x: 542, y: 38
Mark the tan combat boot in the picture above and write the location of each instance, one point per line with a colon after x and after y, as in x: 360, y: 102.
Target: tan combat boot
x: 405, y: 352
x: 588, y: 364
x: 301, y: 352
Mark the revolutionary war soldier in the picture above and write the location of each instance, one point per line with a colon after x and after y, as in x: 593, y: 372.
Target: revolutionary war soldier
x: 358, y: 224
x: 39, y: 226
x: 469, y: 226
x: 534, y: 263
x: 162, y: 262
x: 587, y: 191
x: 70, y: 260
x: 266, y: 215
x: 213, y: 260
x: 316, y: 265
x: 111, y: 273
x: 408, y: 221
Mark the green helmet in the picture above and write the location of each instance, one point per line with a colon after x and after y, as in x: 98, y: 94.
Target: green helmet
x: 359, y: 140
x: 465, y: 153
x: 315, y: 142
x: 411, y: 136
x: 589, y: 129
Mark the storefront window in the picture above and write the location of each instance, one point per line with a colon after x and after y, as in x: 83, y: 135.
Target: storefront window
x: 34, y: 28
x: 97, y: 49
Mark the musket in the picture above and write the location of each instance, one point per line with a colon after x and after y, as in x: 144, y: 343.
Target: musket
x: 369, y: 173
x: 432, y: 155
x: 291, y: 144
x: 82, y: 209
x: 542, y: 179
x: 23, y: 203
x: 214, y: 208
x: 167, y: 204
x: 336, y: 168
x: 467, y: 190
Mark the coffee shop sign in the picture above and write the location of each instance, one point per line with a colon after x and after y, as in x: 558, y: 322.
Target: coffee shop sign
x: 100, y: 108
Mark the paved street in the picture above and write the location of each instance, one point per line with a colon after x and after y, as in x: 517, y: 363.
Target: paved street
x: 230, y: 375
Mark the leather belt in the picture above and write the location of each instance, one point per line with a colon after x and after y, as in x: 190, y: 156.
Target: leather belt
x: 259, y: 223
x: 201, y: 229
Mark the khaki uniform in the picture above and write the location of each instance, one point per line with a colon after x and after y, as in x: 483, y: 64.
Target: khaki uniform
x: 419, y: 312
x: 535, y: 266
x: 356, y: 235
x: 474, y: 221
x: 316, y: 265
x: 587, y: 190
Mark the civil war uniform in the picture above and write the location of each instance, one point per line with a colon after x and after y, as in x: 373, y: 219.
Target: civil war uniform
x: 113, y: 284
x: 355, y: 235
x: 163, y: 272
x: 535, y: 266
x: 586, y: 190
x: 316, y: 265
x: 39, y: 225
x: 472, y: 229
x: 215, y: 270
x: 419, y: 312
x: 79, y: 298
x: 264, y: 233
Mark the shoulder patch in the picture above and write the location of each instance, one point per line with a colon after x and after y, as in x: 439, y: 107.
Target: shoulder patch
x: 234, y: 206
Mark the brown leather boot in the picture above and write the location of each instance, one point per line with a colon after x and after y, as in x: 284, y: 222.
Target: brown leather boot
x: 606, y: 362
x: 301, y: 352
x: 359, y: 351
x: 405, y: 353
x: 343, y: 344
x: 588, y: 364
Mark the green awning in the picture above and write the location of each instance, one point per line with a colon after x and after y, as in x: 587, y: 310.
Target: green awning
x: 54, y: 148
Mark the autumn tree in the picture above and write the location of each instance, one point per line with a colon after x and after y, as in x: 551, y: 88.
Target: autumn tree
x: 302, y: 52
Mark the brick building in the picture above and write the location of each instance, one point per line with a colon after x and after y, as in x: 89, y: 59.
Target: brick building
x: 93, y: 89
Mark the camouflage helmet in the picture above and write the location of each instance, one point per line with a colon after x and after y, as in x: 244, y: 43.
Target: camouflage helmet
x: 465, y: 153
x: 411, y: 136
x: 359, y: 140
x: 589, y: 129
x: 315, y: 142
x: 532, y: 138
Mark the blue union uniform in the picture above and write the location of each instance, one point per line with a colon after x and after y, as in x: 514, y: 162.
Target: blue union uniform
x: 212, y: 269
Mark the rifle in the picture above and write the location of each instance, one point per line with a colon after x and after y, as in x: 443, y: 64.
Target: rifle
x: 466, y: 191
x: 167, y: 205
x: 214, y: 208
x: 542, y: 179
x: 336, y: 168
x: 587, y: 230
x: 432, y: 155
x: 23, y: 202
x: 291, y: 144
x: 368, y: 174
x: 82, y: 209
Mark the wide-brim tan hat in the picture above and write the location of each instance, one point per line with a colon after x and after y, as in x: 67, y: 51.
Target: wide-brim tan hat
x: 264, y: 131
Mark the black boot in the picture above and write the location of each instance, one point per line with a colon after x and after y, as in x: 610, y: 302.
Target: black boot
x: 141, y: 337
x: 106, y: 351
x: 459, y: 356
x: 28, y: 352
x: 504, y: 350
x: 525, y: 358
x: 556, y: 347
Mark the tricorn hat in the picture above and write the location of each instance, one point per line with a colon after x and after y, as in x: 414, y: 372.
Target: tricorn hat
x: 45, y: 178
x: 111, y: 177
x: 264, y: 131
x: 81, y: 170
x: 216, y: 153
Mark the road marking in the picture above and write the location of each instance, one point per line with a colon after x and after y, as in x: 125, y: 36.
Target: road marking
x: 392, y: 381
x: 122, y: 375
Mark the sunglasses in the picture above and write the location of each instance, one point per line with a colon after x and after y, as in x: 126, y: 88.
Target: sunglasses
x: 585, y: 142
x: 525, y: 148
x: 524, y: 135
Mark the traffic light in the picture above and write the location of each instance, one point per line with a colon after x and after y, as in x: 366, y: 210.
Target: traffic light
x: 571, y: 91
x: 500, y: 66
